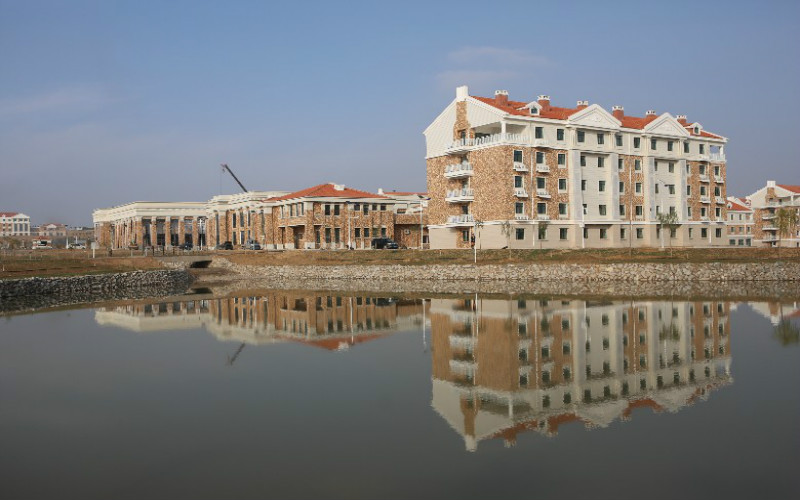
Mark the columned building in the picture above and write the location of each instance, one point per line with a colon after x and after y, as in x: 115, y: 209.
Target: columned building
x: 146, y: 223
x: 14, y: 224
x: 527, y: 174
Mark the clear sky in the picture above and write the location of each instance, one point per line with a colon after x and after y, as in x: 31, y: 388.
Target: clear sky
x: 107, y: 102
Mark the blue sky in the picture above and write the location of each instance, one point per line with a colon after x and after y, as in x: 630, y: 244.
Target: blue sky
x: 102, y: 103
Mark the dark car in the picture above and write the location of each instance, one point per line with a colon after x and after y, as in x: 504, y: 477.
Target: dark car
x: 252, y: 245
x: 225, y: 246
x: 186, y: 246
x: 384, y: 243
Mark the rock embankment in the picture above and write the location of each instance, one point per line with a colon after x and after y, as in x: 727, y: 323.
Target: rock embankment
x: 617, y: 272
x: 33, y: 293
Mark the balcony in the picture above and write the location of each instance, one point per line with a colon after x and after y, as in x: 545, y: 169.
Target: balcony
x: 520, y: 167
x: 718, y: 179
x: 460, y: 195
x: 716, y: 156
x: 521, y: 217
x: 461, y: 220
x: 704, y: 218
x: 704, y: 178
x: 520, y: 193
x: 705, y: 199
x: 463, y: 169
x: 542, y: 193
x: 542, y: 217
x: 468, y: 144
x: 541, y: 143
x: 540, y: 167
x: 770, y: 238
x: 767, y: 216
x: 719, y: 199
x: 638, y: 217
x: 769, y: 227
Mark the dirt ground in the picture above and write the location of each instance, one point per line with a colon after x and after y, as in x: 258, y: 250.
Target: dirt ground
x: 67, y: 263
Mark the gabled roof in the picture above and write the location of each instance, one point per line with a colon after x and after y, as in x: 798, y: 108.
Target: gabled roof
x: 738, y: 207
x: 328, y: 190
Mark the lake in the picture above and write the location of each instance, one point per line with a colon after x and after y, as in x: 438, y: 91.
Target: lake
x: 309, y: 394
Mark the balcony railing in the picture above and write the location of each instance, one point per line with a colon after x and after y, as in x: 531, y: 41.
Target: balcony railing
x: 542, y: 193
x: 520, y: 167
x: 462, y: 169
x: 469, y: 143
x: 767, y: 216
x: 462, y: 220
x: 541, y: 167
x: 704, y: 178
x: 770, y: 238
x: 719, y: 199
x: 769, y: 227
x: 541, y: 143
x: 704, y: 218
x: 457, y: 195
x: 705, y: 199
x: 542, y: 217
x: 520, y: 193
x: 521, y: 217
x: 718, y: 179
x: 716, y: 156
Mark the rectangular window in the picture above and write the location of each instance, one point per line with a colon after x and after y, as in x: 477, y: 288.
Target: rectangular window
x: 562, y: 185
x: 638, y: 187
x: 637, y: 164
x: 702, y: 149
x: 327, y: 209
x: 336, y: 235
x: 465, y: 235
x: 653, y: 144
x: 539, y: 132
x: 520, y: 234
x: 704, y: 233
x: 656, y: 188
x: 542, y: 232
x: 562, y: 159
x: 366, y: 232
x: 621, y: 188
x: 581, y: 136
x: 718, y: 233
x: 637, y: 142
x: 639, y: 233
x: 602, y: 209
x: 539, y: 157
x: 327, y: 235
x: 336, y: 209
x: 583, y: 184
x: 622, y: 235
x: 603, y: 233
x: 518, y: 156
x: 562, y: 233
x: 583, y: 161
x: 601, y: 138
x: 601, y: 162
x: 638, y: 210
x: 671, y: 188
x: 601, y: 186
x: 622, y: 210
x: 562, y: 209
x: 669, y: 145
x: 685, y: 147
x: 688, y: 190
x: 671, y: 168
x: 559, y: 134
x: 519, y: 207
x: 540, y: 183
x: 358, y: 232
x: 618, y: 139
x: 620, y: 164
x: 517, y: 181
x: 541, y: 208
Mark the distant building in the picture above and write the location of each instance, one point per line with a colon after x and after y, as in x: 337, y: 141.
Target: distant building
x: 14, y: 224
x: 52, y: 230
x: 765, y: 204
x: 740, y: 222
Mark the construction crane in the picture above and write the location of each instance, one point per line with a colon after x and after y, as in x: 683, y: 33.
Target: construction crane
x: 225, y: 167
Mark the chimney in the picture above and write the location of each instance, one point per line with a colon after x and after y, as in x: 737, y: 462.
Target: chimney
x: 618, y: 112
x: 682, y: 120
x: 462, y: 93
x: 650, y: 112
x: 501, y: 97
x: 582, y: 104
x: 544, y: 101
x: 380, y: 191
x: 770, y: 184
x: 338, y: 187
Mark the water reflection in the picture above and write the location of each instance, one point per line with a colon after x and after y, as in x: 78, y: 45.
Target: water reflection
x: 330, y: 321
x: 502, y: 367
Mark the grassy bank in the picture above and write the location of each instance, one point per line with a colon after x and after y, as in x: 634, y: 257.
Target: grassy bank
x: 68, y: 263
x: 586, y: 256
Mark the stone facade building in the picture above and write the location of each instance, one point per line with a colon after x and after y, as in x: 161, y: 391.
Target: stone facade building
x: 740, y: 222
x: 519, y: 174
x: 329, y: 216
x: 766, y: 202
x: 14, y: 224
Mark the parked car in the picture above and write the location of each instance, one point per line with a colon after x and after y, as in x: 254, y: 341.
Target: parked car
x: 384, y: 243
x: 252, y: 245
x: 186, y: 246
x: 225, y: 246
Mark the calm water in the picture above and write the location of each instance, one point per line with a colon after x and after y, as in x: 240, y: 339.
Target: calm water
x: 312, y: 395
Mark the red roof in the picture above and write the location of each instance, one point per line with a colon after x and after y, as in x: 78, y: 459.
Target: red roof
x: 327, y: 191
x: 794, y: 189
x: 738, y: 207
x: 553, y: 112
x: 8, y: 214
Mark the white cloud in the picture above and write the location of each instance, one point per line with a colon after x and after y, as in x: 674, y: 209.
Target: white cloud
x: 496, y: 56
x: 66, y: 99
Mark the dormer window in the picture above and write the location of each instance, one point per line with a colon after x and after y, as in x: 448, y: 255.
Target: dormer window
x: 697, y: 131
x: 534, y: 111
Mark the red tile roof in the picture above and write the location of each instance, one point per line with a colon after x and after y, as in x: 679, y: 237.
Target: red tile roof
x: 794, y: 189
x: 738, y: 207
x: 8, y: 214
x: 556, y: 113
x: 327, y: 191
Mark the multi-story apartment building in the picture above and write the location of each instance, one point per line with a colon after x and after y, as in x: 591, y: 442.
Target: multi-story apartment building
x: 765, y: 204
x: 330, y: 216
x: 14, y: 224
x: 52, y: 230
x: 502, y: 367
x: 529, y: 174
x: 740, y: 222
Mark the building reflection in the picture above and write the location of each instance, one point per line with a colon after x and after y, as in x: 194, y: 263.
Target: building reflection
x: 330, y: 321
x: 502, y: 367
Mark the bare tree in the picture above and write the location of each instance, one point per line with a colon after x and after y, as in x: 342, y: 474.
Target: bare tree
x: 542, y: 230
x: 786, y: 223
x: 668, y: 220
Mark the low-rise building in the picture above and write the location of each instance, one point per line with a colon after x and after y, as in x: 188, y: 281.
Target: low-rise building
x: 52, y: 230
x: 14, y: 224
x: 766, y: 203
x: 740, y: 222
x: 147, y: 223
